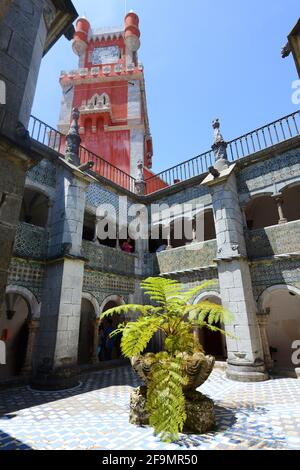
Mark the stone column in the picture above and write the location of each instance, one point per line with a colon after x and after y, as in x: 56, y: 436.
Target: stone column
x: 33, y: 327
x: 96, y: 342
x: 279, y: 201
x: 24, y: 30
x: 57, y: 349
x: 245, y: 353
x: 263, y: 319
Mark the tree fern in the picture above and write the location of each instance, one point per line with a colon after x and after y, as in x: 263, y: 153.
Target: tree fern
x: 175, y: 316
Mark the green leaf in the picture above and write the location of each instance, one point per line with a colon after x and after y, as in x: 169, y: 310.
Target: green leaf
x: 136, y: 335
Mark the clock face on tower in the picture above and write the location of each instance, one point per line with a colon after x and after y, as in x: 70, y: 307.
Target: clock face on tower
x: 106, y: 55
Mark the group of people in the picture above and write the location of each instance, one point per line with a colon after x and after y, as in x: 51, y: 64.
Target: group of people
x: 107, y: 345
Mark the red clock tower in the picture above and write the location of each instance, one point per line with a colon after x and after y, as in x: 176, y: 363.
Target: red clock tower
x: 109, y: 90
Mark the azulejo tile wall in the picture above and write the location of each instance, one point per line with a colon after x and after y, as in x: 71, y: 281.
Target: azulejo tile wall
x: 187, y: 257
x: 43, y: 173
x: 269, y: 171
x: 31, y: 242
x: 28, y: 274
x: 275, y: 240
x: 108, y: 259
x: 101, y: 285
x: 268, y: 273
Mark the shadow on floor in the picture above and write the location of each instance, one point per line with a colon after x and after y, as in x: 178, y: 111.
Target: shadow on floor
x: 7, y: 442
x: 15, y: 399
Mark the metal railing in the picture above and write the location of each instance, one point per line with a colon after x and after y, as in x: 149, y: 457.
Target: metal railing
x: 260, y: 139
x: 182, y: 172
x: 107, y: 170
x: 46, y: 135
x: 271, y: 134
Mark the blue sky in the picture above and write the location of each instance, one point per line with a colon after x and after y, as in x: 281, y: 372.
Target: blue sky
x: 203, y: 59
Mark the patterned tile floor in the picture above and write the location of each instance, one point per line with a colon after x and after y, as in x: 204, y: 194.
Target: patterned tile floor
x: 95, y: 416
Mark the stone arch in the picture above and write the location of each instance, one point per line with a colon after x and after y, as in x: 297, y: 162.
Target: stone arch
x: 93, y: 301
x: 261, y: 211
x: 117, y: 299
x: 29, y: 297
x: 214, y: 343
x: 35, y: 206
x: 112, y: 350
x: 19, y: 327
x: 280, y: 306
x: 88, y: 330
x: 290, y: 194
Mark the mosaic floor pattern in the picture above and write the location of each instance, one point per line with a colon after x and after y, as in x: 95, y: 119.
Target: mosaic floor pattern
x: 94, y: 416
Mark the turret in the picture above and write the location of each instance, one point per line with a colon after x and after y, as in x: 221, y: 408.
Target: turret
x: 132, y: 36
x: 81, y: 37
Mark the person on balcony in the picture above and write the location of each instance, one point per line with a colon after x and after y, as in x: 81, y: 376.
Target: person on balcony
x: 127, y: 246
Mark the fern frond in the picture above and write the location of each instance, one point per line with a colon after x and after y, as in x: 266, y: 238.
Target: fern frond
x: 140, y: 309
x: 209, y: 311
x: 136, y: 335
x: 160, y: 289
x: 165, y: 398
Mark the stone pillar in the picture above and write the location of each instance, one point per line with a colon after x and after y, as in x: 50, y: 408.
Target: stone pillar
x: 95, y: 359
x: 279, y: 201
x: 245, y: 353
x: 24, y: 30
x: 263, y: 319
x: 33, y: 327
x: 57, y: 350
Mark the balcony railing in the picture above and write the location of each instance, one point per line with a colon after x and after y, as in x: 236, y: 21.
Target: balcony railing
x: 55, y: 140
x: 260, y: 139
x: 182, y: 172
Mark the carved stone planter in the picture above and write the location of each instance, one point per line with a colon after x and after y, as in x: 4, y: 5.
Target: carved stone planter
x: 199, y: 408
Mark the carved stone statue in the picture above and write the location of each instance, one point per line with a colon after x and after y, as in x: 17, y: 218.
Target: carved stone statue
x: 219, y: 147
x: 140, y: 180
x: 73, y: 140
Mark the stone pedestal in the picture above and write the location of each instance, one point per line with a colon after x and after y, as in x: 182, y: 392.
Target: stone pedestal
x: 199, y: 408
